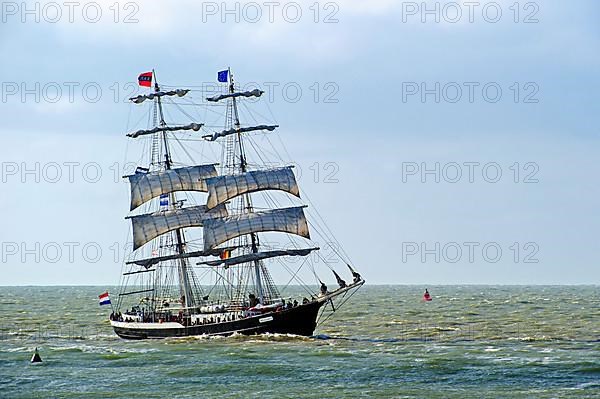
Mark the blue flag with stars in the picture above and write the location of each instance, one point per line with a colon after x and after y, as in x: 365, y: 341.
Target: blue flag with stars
x: 222, y: 76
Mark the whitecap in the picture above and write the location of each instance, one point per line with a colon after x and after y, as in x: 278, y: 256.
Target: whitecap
x: 590, y: 384
x: 492, y: 349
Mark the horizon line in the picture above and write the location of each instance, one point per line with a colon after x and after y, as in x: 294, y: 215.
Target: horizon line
x: 366, y: 284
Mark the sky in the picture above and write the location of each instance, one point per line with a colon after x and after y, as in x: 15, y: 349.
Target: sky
x: 443, y: 142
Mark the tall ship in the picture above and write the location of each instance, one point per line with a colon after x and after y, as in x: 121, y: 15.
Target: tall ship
x: 208, y: 231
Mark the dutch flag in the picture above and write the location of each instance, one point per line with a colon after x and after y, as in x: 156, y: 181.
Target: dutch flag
x: 104, y: 299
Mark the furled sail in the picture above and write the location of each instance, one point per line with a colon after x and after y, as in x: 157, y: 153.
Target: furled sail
x: 145, y: 186
x: 192, y: 126
x: 147, y: 262
x: 151, y: 225
x: 150, y: 96
x: 287, y: 220
x: 251, y: 93
x: 223, y: 188
x: 258, y: 256
x: 213, y: 137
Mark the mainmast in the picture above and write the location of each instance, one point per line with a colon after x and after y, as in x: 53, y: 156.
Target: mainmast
x: 185, y: 286
x: 247, y: 201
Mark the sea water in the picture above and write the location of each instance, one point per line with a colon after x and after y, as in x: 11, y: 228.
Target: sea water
x: 469, y: 342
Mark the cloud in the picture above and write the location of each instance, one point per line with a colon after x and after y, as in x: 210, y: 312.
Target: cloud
x: 297, y: 31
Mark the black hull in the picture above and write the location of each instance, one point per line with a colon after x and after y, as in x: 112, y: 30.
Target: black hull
x: 300, y: 320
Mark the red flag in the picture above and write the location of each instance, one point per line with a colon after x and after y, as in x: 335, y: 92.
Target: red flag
x: 225, y: 254
x: 145, y: 79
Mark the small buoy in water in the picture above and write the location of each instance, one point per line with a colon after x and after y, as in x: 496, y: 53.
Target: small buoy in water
x: 36, y: 357
x: 426, y: 296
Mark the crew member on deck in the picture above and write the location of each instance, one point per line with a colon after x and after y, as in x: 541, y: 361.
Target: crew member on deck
x: 253, y: 300
x: 323, y: 288
x: 340, y: 281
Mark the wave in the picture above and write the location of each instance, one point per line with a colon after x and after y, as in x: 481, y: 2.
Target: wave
x: 590, y: 384
x: 267, y: 337
x: 356, y: 339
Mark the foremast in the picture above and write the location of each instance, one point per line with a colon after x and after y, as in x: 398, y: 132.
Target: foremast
x: 246, y: 203
x: 234, y: 187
